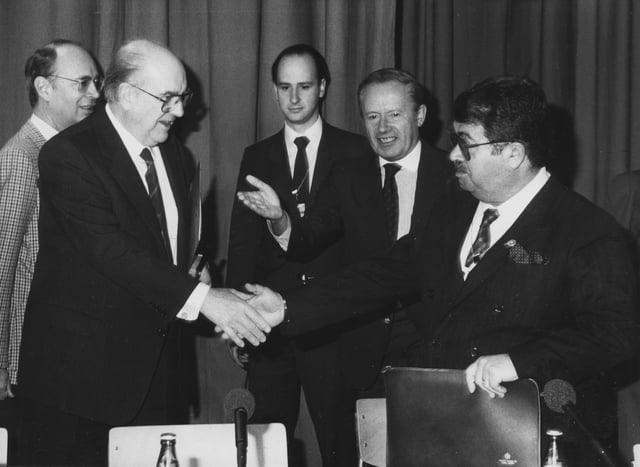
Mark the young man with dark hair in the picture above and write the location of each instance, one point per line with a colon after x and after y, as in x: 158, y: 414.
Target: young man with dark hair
x: 295, y: 162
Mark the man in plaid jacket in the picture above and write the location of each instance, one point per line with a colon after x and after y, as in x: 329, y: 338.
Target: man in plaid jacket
x: 63, y: 83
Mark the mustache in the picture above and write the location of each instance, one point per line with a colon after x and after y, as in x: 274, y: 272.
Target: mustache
x: 459, y: 166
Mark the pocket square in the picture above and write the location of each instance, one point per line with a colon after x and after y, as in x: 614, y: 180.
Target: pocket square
x: 520, y: 255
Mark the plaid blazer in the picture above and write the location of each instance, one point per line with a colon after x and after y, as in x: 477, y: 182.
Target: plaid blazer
x: 19, y: 205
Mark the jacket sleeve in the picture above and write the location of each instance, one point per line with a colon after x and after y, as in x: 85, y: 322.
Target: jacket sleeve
x: 79, y: 198
x: 245, y: 233
x: 18, y: 203
x: 354, y: 291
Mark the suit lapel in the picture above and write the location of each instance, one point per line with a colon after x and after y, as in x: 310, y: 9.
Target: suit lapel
x: 530, y: 225
x: 280, y: 173
x: 429, y: 184
x: 124, y: 172
x: 366, y: 191
x: 324, y: 160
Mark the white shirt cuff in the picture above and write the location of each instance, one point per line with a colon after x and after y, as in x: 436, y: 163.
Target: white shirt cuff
x: 283, y: 239
x: 191, y: 308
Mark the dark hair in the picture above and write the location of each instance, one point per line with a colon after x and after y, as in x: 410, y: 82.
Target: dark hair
x: 417, y: 91
x: 41, y: 64
x: 322, y: 69
x: 509, y: 108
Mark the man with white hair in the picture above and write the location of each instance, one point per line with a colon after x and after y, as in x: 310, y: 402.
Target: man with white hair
x: 110, y: 289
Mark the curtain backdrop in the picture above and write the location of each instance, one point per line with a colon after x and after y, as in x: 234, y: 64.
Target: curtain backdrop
x: 227, y: 47
x: 581, y: 51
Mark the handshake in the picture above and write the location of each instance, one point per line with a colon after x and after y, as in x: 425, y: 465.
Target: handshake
x: 241, y: 316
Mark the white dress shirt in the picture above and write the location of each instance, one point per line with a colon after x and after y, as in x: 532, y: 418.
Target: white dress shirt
x: 134, y: 147
x: 509, y: 211
x: 313, y: 133
x: 46, y: 130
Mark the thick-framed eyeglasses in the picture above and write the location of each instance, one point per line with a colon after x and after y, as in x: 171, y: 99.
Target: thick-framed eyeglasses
x: 171, y: 100
x: 84, y: 82
x: 456, y: 140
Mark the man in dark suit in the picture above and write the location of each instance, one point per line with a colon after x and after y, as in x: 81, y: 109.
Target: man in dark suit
x: 523, y: 279
x: 101, y: 337
x: 353, y: 206
x: 295, y: 162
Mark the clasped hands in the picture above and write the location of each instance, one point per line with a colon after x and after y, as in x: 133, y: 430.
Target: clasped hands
x: 241, y: 316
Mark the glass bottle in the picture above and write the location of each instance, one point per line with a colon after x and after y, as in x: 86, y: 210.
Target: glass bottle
x: 167, y: 457
x: 554, y: 454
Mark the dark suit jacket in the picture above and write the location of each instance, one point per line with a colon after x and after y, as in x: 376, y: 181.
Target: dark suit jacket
x: 104, y: 290
x: 254, y: 255
x: 571, y: 315
x: 352, y: 208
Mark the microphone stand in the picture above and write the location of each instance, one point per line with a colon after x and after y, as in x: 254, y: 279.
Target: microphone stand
x: 240, y: 416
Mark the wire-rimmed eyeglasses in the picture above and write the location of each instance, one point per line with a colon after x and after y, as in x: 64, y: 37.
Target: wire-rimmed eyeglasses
x: 456, y: 140
x: 84, y: 82
x: 171, y: 100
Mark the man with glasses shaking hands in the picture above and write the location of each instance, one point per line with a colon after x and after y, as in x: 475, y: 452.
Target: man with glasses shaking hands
x: 111, y: 288
x: 56, y: 104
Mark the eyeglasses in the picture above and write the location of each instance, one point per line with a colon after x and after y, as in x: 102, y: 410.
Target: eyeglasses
x: 171, y: 100
x: 85, y: 82
x: 456, y: 140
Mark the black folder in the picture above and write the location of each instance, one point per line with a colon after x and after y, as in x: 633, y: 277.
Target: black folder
x: 433, y: 421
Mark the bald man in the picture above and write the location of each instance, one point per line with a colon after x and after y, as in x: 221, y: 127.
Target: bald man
x: 63, y: 83
x: 110, y: 290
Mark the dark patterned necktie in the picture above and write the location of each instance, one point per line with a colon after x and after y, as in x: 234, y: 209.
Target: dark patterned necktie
x: 390, y: 199
x: 301, y: 171
x: 156, y: 197
x: 483, y: 240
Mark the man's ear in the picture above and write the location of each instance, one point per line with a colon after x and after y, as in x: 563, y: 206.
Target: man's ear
x: 323, y: 87
x: 43, y: 87
x: 516, y: 154
x: 125, y: 95
x: 421, y: 114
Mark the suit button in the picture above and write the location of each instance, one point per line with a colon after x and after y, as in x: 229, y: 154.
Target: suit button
x: 161, y: 332
x: 498, y: 309
x: 387, y: 320
x: 474, y: 352
x: 429, y: 293
x: 435, y: 343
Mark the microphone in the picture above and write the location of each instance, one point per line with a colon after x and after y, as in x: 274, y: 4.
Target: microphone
x: 560, y: 397
x: 239, y: 405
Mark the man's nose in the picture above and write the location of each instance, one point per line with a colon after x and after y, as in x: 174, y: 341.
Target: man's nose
x: 295, y: 96
x: 382, y: 125
x: 456, y: 154
x: 92, y: 90
x: 178, y: 109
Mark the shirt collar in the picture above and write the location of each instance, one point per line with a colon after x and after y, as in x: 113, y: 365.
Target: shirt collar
x: 46, y: 130
x: 409, y: 162
x: 314, y: 132
x: 521, y: 199
x: 134, y: 147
